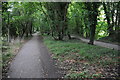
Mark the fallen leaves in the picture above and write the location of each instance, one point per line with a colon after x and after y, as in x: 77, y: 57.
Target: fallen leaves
x: 70, y: 66
x: 70, y: 61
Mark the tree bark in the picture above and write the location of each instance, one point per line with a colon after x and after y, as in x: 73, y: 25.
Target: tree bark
x: 93, y: 20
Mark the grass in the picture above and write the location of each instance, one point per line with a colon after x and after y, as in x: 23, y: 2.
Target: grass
x: 75, y: 51
x: 83, y: 50
x: 10, y: 51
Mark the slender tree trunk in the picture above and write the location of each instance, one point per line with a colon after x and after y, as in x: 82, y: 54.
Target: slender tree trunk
x: 77, y: 26
x: 110, y: 26
x: 8, y: 29
x: 107, y: 14
x: 31, y: 28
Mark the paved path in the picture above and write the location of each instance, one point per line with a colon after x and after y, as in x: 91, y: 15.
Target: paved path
x: 99, y: 43
x: 33, y: 61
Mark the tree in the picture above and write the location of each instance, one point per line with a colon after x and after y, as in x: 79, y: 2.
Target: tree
x: 93, y: 13
x: 57, y: 14
x: 112, y: 16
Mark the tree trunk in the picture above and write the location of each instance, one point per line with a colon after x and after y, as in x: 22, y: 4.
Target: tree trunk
x: 8, y: 28
x: 31, y: 27
x: 93, y: 19
x: 69, y: 35
x: 92, y: 34
x: 107, y: 12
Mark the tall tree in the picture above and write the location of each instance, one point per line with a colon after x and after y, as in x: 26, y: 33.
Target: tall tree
x: 92, y: 8
x: 57, y: 13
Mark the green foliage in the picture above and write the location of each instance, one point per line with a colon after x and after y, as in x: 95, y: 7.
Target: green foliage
x: 58, y: 19
x: 18, y: 17
x: 77, y: 18
x: 101, y: 30
x: 6, y: 56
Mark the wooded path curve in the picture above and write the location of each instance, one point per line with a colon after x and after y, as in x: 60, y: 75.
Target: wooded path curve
x: 33, y: 61
x: 99, y: 43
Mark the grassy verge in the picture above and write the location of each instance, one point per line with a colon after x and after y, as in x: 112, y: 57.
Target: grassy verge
x: 8, y: 55
x: 80, y: 60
